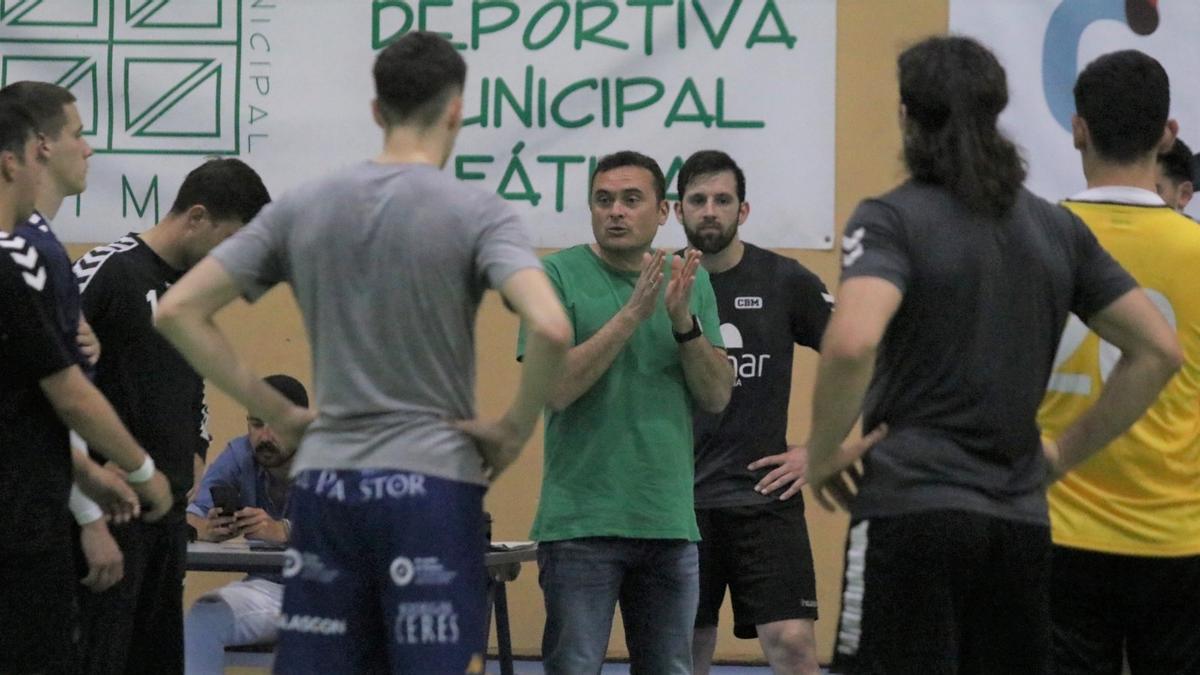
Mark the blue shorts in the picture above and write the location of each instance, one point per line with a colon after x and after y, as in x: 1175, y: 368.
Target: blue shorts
x: 386, y: 575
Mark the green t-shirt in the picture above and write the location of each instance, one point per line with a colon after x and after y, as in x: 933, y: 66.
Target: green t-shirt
x: 619, y: 460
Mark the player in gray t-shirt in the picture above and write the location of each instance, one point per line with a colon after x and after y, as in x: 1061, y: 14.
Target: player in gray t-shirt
x: 388, y: 261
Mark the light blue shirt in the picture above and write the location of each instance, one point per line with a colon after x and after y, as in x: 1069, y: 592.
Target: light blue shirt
x: 236, y: 466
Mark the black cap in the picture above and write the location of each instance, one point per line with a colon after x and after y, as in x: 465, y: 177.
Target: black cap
x: 290, y: 387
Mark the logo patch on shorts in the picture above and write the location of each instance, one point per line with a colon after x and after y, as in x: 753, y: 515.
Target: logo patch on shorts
x: 307, y: 566
x: 292, y: 563
x: 402, y: 571
x: 426, y: 623
x: 425, y: 571
x: 316, y: 625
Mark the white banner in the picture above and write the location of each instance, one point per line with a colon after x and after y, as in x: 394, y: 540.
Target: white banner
x: 1043, y: 45
x: 286, y: 86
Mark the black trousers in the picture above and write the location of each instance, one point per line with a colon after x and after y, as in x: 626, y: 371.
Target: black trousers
x: 1108, y: 607
x: 137, y: 625
x: 38, y: 611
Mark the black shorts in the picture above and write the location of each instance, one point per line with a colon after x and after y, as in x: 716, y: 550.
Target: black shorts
x: 39, y: 621
x: 945, y: 592
x: 762, y: 554
x: 1101, y: 602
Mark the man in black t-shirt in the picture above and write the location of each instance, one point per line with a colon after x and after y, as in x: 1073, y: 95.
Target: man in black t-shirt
x: 137, y: 626
x: 751, y: 516
x: 40, y: 389
x: 955, y: 288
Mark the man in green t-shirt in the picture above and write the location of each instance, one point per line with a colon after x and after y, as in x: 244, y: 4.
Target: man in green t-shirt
x: 615, y: 521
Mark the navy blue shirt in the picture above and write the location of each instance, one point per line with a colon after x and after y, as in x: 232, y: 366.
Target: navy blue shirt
x: 60, y: 295
x: 35, y: 460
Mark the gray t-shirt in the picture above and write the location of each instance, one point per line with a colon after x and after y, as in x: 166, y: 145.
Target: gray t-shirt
x: 964, y: 363
x: 388, y: 264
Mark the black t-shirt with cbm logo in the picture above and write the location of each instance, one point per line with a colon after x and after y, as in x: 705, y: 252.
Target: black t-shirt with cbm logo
x: 767, y: 303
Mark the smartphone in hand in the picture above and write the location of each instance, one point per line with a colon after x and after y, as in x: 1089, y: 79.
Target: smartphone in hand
x: 226, y: 498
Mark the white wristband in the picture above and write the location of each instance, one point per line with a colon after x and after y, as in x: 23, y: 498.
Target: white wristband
x: 84, y: 509
x: 79, y: 445
x: 144, y: 473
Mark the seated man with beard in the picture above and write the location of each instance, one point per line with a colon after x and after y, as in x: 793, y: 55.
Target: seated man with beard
x: 244, y: 612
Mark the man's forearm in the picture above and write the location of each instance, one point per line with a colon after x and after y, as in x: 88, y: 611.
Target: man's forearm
x: 1132, y: 387
x: 83, y: 408
x: 585, y: 363
x: 842, y: 383
x: 708, y: 374
x: 204, y: 346
x: 540, y: 372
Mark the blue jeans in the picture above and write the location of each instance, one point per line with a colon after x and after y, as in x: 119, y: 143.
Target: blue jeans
x: 657, y: 584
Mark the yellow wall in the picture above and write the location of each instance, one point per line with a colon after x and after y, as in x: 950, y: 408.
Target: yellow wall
x: 870, y: 35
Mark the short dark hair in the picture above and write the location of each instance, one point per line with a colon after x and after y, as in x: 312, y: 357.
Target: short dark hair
x: 290, y: 387
x: 228, y: 188
x: 1178, y: 163
x: 44, y: 101
x: 16, y: 128
x: 631, y: 158
x: 953, y: 90
x: 1125, y: 98
x: 415, y: 76
x: 708, y: 162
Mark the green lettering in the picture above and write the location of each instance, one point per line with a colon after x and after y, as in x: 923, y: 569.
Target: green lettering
x: 624, y: 106
x: 141, y: 209
x: 477, y: 9
x: 649, y: 5
x: 686, y: 92
x: 593, y: 34
x: 541, y: 103
x: 516, y: 168
x: 460, y: 166
x: 605, y: 98
x: 769, y: 10
x: 423, y: 8
x: 672, y: 172
x: 719, y: 36
x: 523, y: 110
x: 564, y: 16
x: 484, y: 100
x: 723, y: 123
x: 560, y: 163
x: 556, y: 105
x: 681, y: 24
x: 378, y: 41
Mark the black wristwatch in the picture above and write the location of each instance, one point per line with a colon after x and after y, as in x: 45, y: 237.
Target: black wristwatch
x: 692, y: 334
